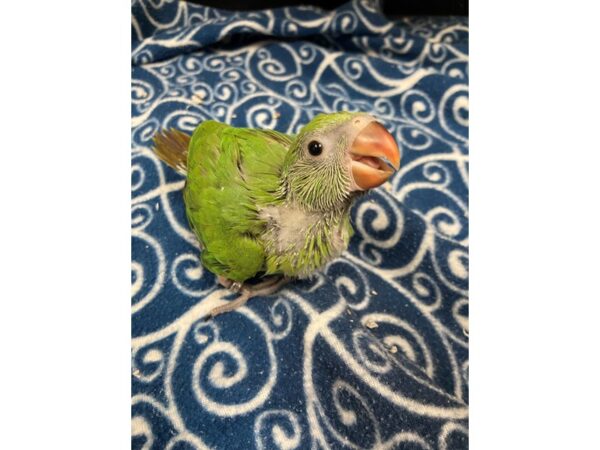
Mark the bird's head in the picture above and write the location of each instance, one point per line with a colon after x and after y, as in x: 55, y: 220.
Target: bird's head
x: 335, y: 156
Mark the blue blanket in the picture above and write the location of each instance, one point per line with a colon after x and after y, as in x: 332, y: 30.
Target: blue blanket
x: 372, y: 352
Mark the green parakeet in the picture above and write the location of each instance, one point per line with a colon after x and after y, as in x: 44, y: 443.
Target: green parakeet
x: 265, y: 203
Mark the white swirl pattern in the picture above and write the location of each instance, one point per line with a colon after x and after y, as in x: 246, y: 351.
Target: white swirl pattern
x: 372, y: 352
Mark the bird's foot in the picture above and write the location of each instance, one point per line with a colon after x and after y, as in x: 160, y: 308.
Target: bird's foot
x: 233, y: 286
x: 247, y: 291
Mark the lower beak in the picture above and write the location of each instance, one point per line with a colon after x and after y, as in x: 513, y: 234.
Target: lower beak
x: 373, y: 146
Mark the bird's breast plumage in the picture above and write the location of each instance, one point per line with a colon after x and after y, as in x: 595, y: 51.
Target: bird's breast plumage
x: 298, y: 242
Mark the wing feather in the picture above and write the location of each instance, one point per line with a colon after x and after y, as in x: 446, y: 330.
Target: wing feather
x: 232, y: 172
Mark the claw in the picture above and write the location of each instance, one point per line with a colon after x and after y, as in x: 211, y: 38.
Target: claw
x: 247, y: 291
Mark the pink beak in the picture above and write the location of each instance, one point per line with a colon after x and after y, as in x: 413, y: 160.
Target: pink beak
x: 373, y: 143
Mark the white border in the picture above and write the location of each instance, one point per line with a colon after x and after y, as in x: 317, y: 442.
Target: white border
x: 65, y: 246
x: 534, y: 202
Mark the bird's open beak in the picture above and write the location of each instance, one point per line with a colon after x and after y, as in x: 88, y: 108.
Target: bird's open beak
x: 369, y: 152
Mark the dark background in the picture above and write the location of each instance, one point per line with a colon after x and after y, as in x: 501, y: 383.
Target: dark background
x: 391, y: 8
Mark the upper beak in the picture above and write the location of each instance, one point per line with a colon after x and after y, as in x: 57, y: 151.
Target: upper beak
x: 373, y: 143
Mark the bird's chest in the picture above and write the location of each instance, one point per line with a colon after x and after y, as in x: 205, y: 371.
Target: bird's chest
x: 299, y: 242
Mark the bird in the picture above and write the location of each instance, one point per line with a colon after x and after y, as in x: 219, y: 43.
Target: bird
x: 271, y: 206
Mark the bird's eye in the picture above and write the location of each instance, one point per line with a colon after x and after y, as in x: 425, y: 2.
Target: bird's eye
x: 315, y: 148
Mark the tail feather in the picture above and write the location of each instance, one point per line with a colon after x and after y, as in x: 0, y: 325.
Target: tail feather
x: 171, y: 146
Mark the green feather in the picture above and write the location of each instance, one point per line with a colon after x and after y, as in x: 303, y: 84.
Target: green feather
x: 231, y: 173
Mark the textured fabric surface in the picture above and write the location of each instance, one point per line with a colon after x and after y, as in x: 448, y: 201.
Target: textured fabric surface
x: 372, y: 352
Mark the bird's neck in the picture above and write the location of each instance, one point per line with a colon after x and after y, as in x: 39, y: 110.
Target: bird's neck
x: 316, y: 189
